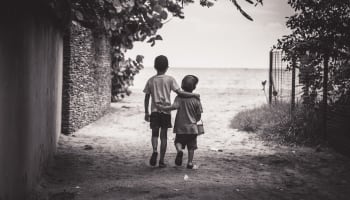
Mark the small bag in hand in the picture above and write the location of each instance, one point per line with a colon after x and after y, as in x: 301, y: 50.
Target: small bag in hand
x: 200, y: 127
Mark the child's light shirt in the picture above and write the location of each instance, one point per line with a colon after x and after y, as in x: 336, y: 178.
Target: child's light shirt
x: 188, y: 114
x: 160, y: 86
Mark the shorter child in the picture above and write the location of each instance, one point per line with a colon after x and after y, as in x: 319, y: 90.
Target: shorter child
x: 188, y: 114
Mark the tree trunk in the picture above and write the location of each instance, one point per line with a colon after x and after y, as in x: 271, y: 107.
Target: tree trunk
x: 325, y: 95
x: 293, y: 86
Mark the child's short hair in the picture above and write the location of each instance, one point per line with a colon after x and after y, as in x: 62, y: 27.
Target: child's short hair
x: 161, y: 63
x: 189, y: 83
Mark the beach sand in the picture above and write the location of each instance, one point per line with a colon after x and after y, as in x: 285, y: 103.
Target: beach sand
x: 109, y: 160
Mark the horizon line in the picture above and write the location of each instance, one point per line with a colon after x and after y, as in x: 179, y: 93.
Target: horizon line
x: 182, y: 67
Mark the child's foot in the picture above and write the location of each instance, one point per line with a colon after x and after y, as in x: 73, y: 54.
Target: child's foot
x: 190, y: 166
x: 178, y: 159
x: 153, y: 159
x: 162, y: 165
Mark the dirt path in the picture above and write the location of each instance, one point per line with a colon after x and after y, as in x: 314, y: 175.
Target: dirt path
x: 231, y: 164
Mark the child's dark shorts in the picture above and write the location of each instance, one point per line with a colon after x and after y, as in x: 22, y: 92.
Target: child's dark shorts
x: 189, y: 140
x: 160, y: 120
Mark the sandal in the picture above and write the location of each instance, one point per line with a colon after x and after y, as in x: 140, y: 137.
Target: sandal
x: 178, y: 159
x: 162, y: 165
x: 189, y: 166
x: 153, y: 159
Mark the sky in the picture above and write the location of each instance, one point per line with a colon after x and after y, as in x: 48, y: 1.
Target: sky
x: 219, y: 37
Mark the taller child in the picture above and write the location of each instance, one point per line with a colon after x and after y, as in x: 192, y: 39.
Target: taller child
x: 159, y: 87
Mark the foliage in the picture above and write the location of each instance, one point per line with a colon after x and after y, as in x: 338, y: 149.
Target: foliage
x: 128, y: 21
x: 123, y: 76
x: 320, y: 33
x: 275, y: 123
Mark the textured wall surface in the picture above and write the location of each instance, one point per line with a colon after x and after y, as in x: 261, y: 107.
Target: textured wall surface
x: 86, y: 78
x: 31, y: 60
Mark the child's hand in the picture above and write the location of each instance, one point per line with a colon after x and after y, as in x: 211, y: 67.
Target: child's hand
x: 160, y: 106
x: 197, y: 96
x: 147, y: 117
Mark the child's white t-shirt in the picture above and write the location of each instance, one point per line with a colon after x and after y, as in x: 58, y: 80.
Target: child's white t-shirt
x: 160, y: 86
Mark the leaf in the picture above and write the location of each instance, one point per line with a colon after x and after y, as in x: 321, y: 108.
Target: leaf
x: 139, y: 58
x: 144, y: 36
x: 164, y: 15
x: 158, y: 37
x: 106, y: 24
x: 157, y: 25
x: 158, y: 8
x: 241, y: 10
x: 117, y: 5
x: 246, y: 15
x: 150, y: 40
x: 101, y: 2
x: 79, y: 15
x: 131, y: 37
x: 114, y: 21
x: 210, y: 4
x: 130, y: 3
x: 181, y: 16
x: 113, y: 24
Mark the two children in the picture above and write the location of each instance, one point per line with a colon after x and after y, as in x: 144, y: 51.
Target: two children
x: 189, y: 112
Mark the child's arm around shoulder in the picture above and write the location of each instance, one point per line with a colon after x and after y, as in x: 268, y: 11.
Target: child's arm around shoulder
x: 185, y: 94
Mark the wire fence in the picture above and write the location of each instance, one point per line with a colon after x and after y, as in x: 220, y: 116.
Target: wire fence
x: 284, y: 85
x: 281, y: 81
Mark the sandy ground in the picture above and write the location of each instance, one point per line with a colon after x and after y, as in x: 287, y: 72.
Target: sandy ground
x: 231, y: 164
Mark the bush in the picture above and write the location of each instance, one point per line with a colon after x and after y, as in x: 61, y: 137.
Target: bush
x: 276, y: 123
x: 256, y: 119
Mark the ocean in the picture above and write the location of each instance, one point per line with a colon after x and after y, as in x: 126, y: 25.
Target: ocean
x: 218, y: 79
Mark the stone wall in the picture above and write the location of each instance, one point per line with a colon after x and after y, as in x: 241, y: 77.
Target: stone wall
x: 31, y: 60
x: 86, y: 78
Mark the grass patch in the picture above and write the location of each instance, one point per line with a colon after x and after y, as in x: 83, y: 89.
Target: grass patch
x: 276, y: 123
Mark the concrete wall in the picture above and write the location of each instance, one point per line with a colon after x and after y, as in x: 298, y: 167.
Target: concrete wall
x: 86, y: 78
x: 31, y: 60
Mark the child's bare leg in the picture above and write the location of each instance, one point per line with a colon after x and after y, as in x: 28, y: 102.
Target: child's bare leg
x: 190, y: 157
x: 178, y: 147
x: 191, y: 146
x: 163, y: 143
x: 154, y: 140
x: 178, y: 159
